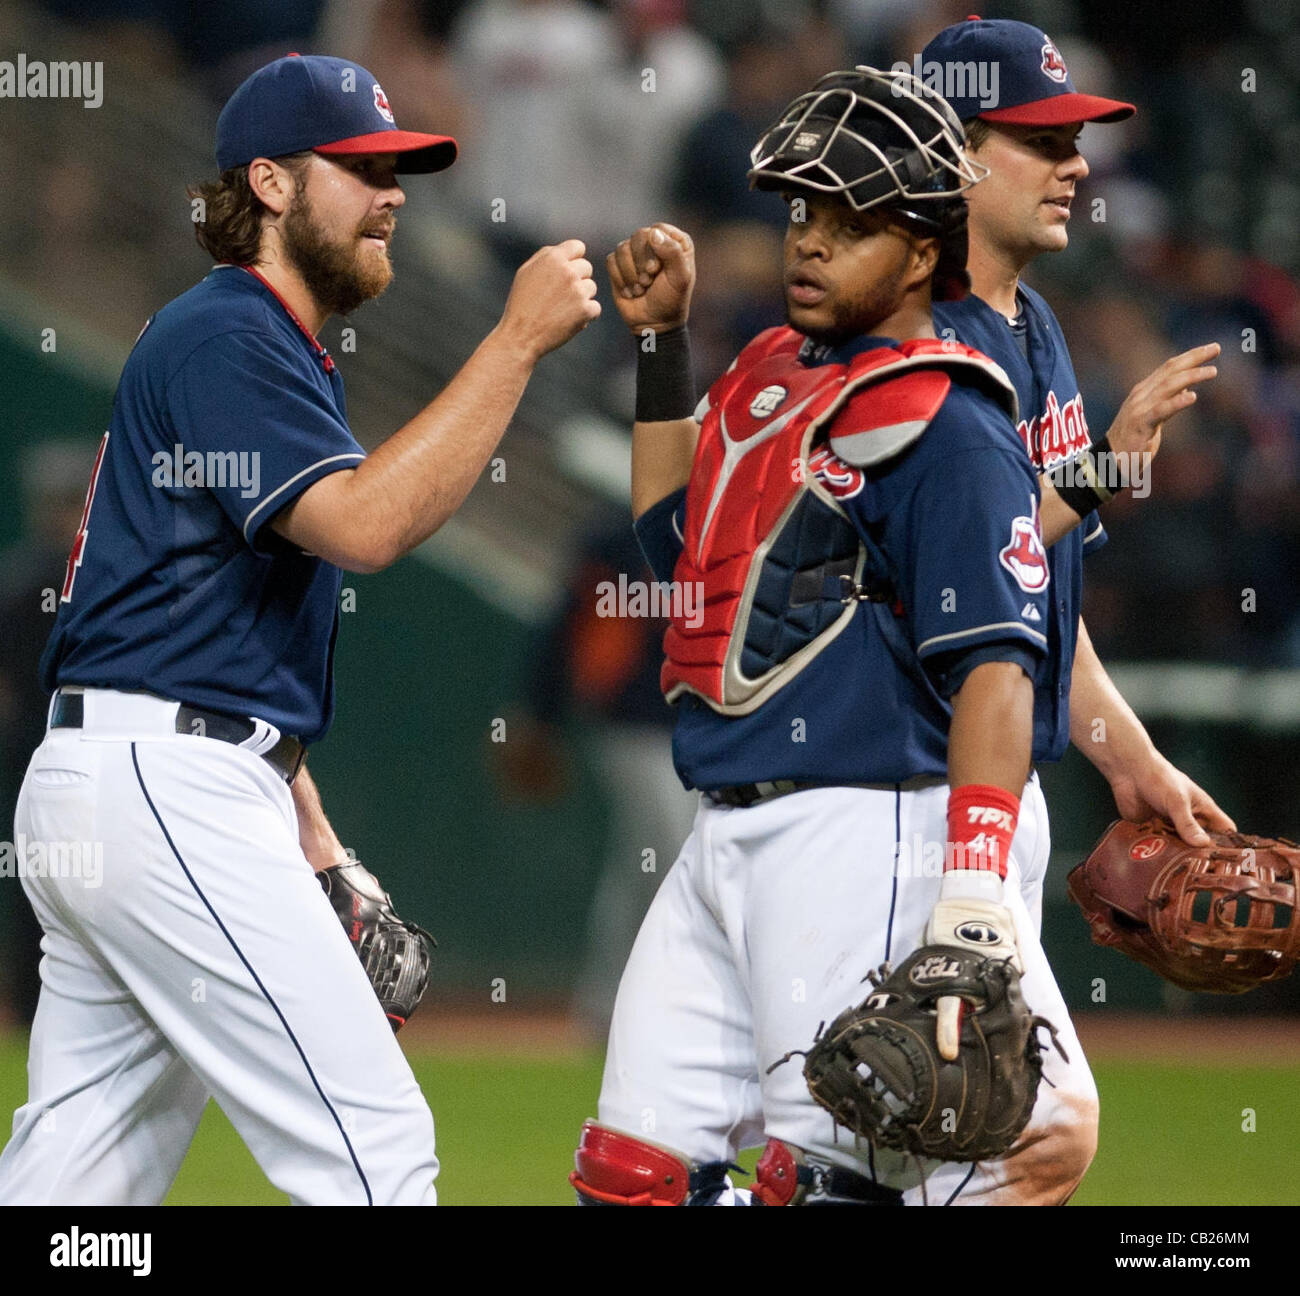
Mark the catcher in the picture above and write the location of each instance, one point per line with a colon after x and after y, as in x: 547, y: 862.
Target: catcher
x: 857, y: 710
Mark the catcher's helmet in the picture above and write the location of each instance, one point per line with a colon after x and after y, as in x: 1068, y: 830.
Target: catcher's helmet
x: 878, y: 139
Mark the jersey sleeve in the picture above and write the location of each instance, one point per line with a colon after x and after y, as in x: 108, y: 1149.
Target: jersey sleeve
x: 659, y: 533
x: 974, y: 570
x: 1094, y: 534
x: 949, y: 670
x: 247, y: 395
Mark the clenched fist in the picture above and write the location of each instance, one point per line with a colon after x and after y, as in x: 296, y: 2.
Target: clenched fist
x: 552, y: 298
x: 653, y: 275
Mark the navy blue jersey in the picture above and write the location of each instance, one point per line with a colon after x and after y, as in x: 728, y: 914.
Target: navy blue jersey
x: 1053, y: 428
x: 949, y: 516
x: 227, y: 410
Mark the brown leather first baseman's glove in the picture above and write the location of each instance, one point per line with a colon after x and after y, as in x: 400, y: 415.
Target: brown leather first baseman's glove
x: 878, y: 1071
x: 1221, y: 918
x: 395, y: 953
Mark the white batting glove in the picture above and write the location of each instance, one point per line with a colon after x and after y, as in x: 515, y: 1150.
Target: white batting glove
x: 969, y: 915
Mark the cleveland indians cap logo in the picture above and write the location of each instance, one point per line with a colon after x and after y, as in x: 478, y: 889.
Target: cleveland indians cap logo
x: 381, y: 105
x: 1053, y: 63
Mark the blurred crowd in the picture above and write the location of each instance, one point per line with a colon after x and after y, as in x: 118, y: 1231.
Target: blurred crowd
x: 586, y: 119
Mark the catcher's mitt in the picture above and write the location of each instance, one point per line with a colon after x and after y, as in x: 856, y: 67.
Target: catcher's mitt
x: 394, y: 952
x: 878, y: 1071
x: 1220, y: 919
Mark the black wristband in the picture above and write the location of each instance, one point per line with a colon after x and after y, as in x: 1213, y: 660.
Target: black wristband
x: 1088, y: 480
x: 665, y: 377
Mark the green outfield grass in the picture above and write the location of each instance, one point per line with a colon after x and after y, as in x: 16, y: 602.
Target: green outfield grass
x: 1171, y: 1134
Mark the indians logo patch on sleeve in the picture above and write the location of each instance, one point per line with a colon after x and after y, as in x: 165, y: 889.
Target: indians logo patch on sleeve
x: 1024, y: 557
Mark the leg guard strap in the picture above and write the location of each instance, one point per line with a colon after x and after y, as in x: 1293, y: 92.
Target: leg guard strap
x: 708, y: 1182
x: 784, y: 1177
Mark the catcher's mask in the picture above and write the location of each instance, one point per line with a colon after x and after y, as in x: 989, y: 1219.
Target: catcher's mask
x: 879, y: 139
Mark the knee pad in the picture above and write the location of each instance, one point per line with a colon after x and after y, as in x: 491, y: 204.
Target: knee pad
x: 785, y: 1177
x: 615, y: 1169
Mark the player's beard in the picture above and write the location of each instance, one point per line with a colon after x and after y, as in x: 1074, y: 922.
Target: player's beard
x: 850, y: 316
x: 340, y: 273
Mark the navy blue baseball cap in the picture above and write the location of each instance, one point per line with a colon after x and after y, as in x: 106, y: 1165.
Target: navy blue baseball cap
x: 327, y: 105
x: 1032, y: 87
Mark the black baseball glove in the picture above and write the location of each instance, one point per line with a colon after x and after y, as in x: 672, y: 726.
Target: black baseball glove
x: 878, y: 1071
x: 395, y: 953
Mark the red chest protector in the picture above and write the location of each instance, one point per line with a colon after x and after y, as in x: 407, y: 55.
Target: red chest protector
x: 778, y: 560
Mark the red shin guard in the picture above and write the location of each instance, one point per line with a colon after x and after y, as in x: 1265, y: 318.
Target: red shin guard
x: 615, y: 1169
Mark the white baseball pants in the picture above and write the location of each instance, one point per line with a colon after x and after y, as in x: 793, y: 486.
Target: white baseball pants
x: 205, y: 960
x: 765, y: 928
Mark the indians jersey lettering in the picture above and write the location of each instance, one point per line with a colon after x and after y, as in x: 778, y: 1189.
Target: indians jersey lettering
x: 842, y: 480
x: 1060, y: 432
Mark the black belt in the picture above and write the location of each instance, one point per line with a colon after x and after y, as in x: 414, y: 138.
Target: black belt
x: 286, y: 757
x: 748, y: 794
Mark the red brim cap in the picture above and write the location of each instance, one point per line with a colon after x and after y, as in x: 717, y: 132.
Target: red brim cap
x: 417, y: 153
x: 1060, y: 110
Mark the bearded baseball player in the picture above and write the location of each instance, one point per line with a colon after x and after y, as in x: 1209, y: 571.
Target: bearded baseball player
x: 857, y: 710
x: 1028, y: 145
x: 191, y: 664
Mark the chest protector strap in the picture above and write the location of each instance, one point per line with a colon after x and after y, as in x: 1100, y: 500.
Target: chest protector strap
x: 781, y: 566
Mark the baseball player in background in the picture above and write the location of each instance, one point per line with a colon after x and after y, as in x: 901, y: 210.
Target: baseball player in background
x: 857, y: 707
x: 191, y: 663
x: 1028, y: 145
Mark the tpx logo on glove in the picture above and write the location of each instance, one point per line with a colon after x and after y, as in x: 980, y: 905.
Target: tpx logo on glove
x: 938, y: 967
